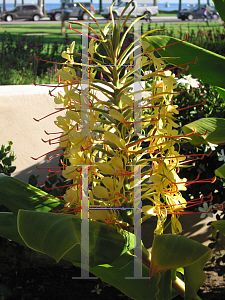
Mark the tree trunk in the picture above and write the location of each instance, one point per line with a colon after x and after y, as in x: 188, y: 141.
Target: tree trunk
x: 43, y: 8
x: 100, y: 6
x: 179, y: 5
x: 4, y: 5
x: 199, y: 2
x: 155, y: 2
x: 15, y: 3
x: 22, y: 2
x: 39, y: 3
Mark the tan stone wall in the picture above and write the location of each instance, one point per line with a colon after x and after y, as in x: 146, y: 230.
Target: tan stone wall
x: 18, y: 106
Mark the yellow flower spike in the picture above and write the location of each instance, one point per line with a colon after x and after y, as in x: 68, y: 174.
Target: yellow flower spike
x: 112, y: 148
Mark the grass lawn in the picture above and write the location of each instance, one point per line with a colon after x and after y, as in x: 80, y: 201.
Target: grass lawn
x: 52, y: 32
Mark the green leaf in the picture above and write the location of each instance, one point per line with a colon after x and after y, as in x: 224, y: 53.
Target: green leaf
x: 120, y: 275
x: 194, y: 276
x: 15, y: 195
x: 220, y: 7
x: 60, y: 234
x: 220, y: 171
x: 173, y: 251
x: 219, y: 225
x: 211, y: 130
x: 184, y: 52
x: 8, y: 227
x: 6, y: 161
x: 221, y: 92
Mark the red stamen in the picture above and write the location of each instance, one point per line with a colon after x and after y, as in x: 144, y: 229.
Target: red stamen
x: 55, y: 112
x: 70, y: 27
x: 193, y: 62
x: 48, y: 133
x: 169, y: 45
x: 203, y: 103
x: 58, y: 187
x: 46, y: 154
x: 52, y: 62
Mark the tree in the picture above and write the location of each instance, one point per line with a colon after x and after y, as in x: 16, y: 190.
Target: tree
x: 155, y: 2
x: 179, y: 4
x: 4, y: 5
x: 15, y: 3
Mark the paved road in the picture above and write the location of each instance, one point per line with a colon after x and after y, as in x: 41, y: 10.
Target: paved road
x: 100, y: 20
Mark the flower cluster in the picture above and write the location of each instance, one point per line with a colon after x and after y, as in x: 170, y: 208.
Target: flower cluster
x: 127, y: 140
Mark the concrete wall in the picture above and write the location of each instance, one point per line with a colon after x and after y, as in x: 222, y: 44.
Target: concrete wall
x: 18, y: 106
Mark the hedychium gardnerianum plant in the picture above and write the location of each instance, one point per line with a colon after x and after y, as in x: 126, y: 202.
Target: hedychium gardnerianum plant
x: 126, y: 141
x: 133, y: 138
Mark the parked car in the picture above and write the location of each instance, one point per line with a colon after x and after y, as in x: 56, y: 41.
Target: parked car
x: 30, y: 12
x: 76, y: 11
x: 140, y: 9
x: 195, y: 12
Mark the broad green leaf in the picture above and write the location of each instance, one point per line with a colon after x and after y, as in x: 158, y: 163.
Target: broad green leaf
x: 15, y: 195
x: 220, y: 171
x: 184, y: 52
x: 221, y: 92
x: 210, y: 129
x: 220, y: 7
x: 120, y: 275
x: 219, y: 225
x: 174, y: 251
x: 58, y: 235
x: 8, y: 227
x: 194, y: 276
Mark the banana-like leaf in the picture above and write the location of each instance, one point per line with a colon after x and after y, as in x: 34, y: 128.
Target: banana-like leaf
x: 220, y: 7
x: 172, y: 252
x: 220, y: 171
x: 59, y: 236
x: 218, y: 225
x: 120, y: 274
x: 210, y: 129
x: 209, y: 66
x: 8, y: 227
x: 15, y: 195
x: 221, y: 92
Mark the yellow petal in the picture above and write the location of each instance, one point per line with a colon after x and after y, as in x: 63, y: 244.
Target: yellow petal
x: 127, y: 100
x: 117, y: 163
x: 115, y: 139
x: 106, y: 169
x: 73, y: 115
x: 116, y: 115
x: 64, y: 75
x: 70, y: 172
x: 100, y: 192
x: 108, y: 182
